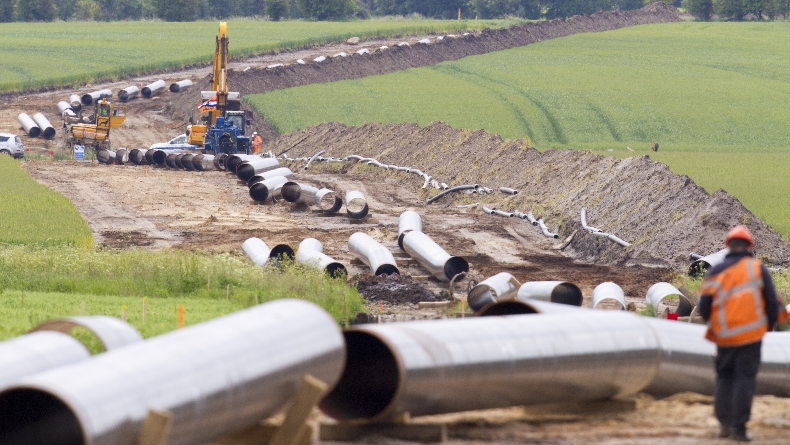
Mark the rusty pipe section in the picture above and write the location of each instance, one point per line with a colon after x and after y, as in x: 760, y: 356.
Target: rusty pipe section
x: 608, y: 291
x: 128, y: 93
x: 561, y: 292
x: 251, y: 167
x: 502, y: 286
x: 282, y: 171
x: 356, y: 205
x: 545, y: 229
x: 31, y: 128
x: 299, y: 193
x: 377, y: 257
x: 180, y: 86
x: 260, y: 253
x: 408, y: 221
x: 328, y: 201
x: 702, y: 264
x: 432, y: 257
x: 261, y: 191
x: 450, y: 190
x: 216, y: 377
x: 90, y: 98
x: 444, y: 366
x: 311, y: 254
x: 153, y: 88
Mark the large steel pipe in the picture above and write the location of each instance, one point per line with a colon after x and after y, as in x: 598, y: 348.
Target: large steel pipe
x: 561, y: 292
x: 153, y: 88
x: 702, y: 264
x: 216, y: 378
x: 282, y: 171
x: 29, y: 125
x: 90, y: 98
x: 111, y: 332
x: 261, y: 191
x: 159, y: 156
x: 203, y: 162
x: 328, y: 201
x: 122, y: 156
x: 76, y: 102
x: 252, y: 167
x: 659, y: 291
x: 232, y: 162
x: 407, y: 222
x: 608, y: 291
x: 299, y: 193
x: 180, y: 86
x: 311, y: 254
x: 137, y: 156
x: 105, y: 156
x: 500, y: 287
x: 44, y: 125
x: 65, y: 108
x: 260, y: 253
x: 442, y: 366
x: 219, y: 161
x: 373, y: 254
x: 432, y: 257
x: 128, y: 93
x: 186, y: 161
x: 523, y: 307
x: 356, y: 204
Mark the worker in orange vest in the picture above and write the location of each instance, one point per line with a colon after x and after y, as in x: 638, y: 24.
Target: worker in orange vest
x: 257, y: 141
x: 739, y: 302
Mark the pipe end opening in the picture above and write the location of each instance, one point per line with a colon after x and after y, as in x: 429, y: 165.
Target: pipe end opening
x: 511, y: 307
x: 259, y: 192
x: 454, y: 266
x: 387, y: 269
x: 336, y: 270
x: 291, y: 191
x: 33, y: 417
x: 480, y: 297
x: 355, y: 398
x: 567, y: 293
x: 245, y: 172
x: 698, y: 268
x: 281, y: 251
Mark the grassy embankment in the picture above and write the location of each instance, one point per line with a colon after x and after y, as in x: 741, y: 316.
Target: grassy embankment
x: 40, y: 55
x: 713, y: 94
x: 48, y: 268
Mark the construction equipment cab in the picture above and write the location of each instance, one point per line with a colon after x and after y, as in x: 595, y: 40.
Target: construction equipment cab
x: 97, y: 134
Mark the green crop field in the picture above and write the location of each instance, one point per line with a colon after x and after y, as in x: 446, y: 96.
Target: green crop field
x: 705, y: 91
x: 40, y: 55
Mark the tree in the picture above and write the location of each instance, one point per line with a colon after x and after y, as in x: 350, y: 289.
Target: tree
x: 488, y: 9
x: 36, y: 10
x: 730, y: 9
x: 700, y: 9
x: 6, y: 10
x: 327, y: 9
x: 276, y: 9
x: 176, y: 10
x: 86, y: 10
x: 759, y: 7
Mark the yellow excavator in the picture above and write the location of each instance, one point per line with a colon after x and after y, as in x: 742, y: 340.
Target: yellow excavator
x: 97, y: 134
x: 219, y: 100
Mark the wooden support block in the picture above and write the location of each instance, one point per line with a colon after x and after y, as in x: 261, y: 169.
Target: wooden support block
x: 263, y: 434
x: 436, y: 304
x: 406, y: 432
x: 294, y: 425
x: 422, y: 277
x: 364, y: 221
x: 156, y: 427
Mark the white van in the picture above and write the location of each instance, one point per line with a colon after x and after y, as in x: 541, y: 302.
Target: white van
x: 11, y: 145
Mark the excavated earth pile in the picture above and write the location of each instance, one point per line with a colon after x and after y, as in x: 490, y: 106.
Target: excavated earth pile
x: 398, y: 58
x: 663, y: 215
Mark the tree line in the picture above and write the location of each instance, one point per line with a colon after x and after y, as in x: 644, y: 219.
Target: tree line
x: 189, y: 10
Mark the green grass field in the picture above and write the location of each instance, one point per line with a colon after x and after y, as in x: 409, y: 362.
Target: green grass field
x: 715, y: 95
x: 40, y: 55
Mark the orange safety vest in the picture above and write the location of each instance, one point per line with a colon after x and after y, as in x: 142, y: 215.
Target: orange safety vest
x: 737, y: 315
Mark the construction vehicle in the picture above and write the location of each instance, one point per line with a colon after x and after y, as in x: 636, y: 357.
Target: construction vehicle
x: 96, y: 133
x: 225, y: 123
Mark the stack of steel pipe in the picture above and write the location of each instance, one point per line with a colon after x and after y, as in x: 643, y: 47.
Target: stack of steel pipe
x: 233, y: 161
x: 255, y: 166
x: 311, y: 254
x: 282, y: 171
x: 270, y: 187
x: 377, y: 257
x: 260, y: 254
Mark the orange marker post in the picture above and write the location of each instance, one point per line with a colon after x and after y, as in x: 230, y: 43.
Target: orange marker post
x: 179, y: 186
x: 180, y: 316
x: 123, y: 313
x: 249, y: 209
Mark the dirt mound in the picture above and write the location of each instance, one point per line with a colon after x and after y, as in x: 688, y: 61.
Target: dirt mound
x: 663, y: 215
x: 395, y: 289
x: 398, y: 58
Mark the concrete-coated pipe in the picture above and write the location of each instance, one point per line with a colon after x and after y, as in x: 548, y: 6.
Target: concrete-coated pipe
x: 76, y: 102
x: 44, y: 125
x: 432, y: 257
x: 408, y: 221
x: 91, y: 98
x: 122, y: 156
x: 561, y: 292
x: 545, y: 230
x: 153, y: 88
x: 311, y: 254
x: 356, y: 204
x: 261, y: 191
x: 377, y: 257
x: 216, y: 378
x: 508, y: 191
x: 299, y: 193
x: 443, y: 366
x: 137, y: 156
x: 105, y: 156
x: 282, y: 171
x: 232, y: 162
x: 180, y: 86
x: 202, y: 162
x: 260, y: 253
x: 500, y: 287
x: 186, y: 161
x: 701, y: 265
x: 328, y: 201
x: 252, y: 167
x: 608, y: 291
x: 29, y: 125
x: 128, y: 93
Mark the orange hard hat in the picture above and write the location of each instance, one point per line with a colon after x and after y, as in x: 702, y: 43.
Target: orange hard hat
x: 739, y: 232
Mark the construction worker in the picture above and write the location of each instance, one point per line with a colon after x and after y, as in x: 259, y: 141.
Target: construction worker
x: 257, y: 141
x: 739, y: 302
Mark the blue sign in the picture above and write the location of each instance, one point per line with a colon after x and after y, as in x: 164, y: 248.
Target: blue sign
x: 79, y: 152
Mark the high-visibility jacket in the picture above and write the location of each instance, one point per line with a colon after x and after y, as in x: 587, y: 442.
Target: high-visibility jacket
x: 737, y: 315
